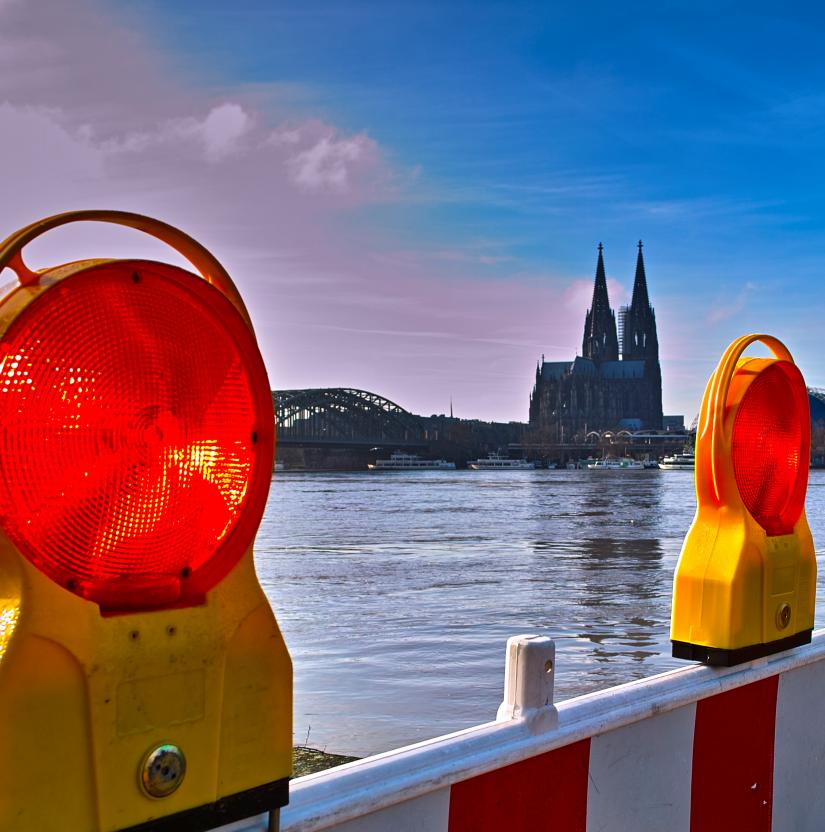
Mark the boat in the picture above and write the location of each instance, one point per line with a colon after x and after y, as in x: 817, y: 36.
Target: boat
x: 614, y: 464
x: 679, y: 462
x: 410, y: 462
x: 497, y: 462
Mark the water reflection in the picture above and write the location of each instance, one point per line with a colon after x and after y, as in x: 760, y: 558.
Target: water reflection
x: 396, y: 594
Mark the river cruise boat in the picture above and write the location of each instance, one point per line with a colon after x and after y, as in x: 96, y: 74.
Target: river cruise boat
x: 623, y: 464
x: 410, y: 462
x: 678, y: 462
x: 497, y: 462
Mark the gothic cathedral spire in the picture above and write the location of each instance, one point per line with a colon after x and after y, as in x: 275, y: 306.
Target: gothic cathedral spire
x: 639, y: 338
x: 600, y: 342
x: 640, y: 298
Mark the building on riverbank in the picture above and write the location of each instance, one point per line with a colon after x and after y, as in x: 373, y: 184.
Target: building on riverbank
x: 603, y: 389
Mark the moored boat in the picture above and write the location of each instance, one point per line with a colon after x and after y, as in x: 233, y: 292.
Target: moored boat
x: 615, y: 464
x: 410, y: 462
x: 679, y: 462
x: 497, y: 462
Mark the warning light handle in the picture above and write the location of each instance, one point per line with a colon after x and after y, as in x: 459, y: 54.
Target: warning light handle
x: 201, y: 258
x: 716, y: 396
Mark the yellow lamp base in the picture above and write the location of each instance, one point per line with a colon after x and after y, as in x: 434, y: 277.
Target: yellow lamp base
x: 228, y: 809
x: 728, y: 657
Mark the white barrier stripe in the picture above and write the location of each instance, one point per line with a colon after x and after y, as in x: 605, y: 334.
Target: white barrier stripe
x: 428, y: 813
x: 799, y: 751
x: 644, y: 769
x: 326, y: 799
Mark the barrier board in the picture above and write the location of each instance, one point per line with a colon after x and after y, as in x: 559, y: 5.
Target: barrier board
x: 698, y: 749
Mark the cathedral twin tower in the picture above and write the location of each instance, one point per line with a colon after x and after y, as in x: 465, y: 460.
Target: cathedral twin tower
x: 598, y: 390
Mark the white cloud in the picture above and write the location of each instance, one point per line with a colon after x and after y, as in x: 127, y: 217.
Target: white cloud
x: 329, y: 163
x: 221, y: 130
x: 218, y: 134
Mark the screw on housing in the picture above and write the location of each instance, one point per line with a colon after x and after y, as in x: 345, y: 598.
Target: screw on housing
x: 163, y: 771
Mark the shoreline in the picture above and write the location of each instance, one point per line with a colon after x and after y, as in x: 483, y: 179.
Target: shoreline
x: 306, y: 760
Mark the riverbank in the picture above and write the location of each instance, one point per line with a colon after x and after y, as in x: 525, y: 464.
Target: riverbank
x: 309, y: 760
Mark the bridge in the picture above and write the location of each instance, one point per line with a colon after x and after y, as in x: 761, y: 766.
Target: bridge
x: 344, y: 417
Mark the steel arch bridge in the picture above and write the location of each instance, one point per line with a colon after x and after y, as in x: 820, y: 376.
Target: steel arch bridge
x: 343, y: 416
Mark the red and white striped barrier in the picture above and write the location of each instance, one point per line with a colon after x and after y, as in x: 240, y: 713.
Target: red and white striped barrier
x: 698, y: 749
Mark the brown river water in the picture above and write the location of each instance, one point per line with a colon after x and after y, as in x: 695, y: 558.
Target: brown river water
x: 396, y: 591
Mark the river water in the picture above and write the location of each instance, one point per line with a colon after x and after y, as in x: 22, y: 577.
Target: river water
x: 396, y: 591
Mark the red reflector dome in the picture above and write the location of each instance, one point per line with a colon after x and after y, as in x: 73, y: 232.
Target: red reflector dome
x: 770, y: 447
x: 136, y: 435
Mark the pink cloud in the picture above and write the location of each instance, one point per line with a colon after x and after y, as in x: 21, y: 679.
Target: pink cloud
x: 216, y: 135
x: 95, y: 116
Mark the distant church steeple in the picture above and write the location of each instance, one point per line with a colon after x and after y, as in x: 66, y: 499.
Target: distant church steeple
x: 600, y: 342
x: 639, y: 338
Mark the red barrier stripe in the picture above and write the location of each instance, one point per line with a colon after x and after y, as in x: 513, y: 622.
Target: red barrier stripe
x: 545, y: 792
x: 732, y: 786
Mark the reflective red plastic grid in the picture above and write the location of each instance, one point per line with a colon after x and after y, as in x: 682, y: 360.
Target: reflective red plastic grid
x: 136, y: 435
x: 770, y: 446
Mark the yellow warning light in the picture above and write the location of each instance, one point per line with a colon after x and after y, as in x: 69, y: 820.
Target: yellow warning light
x: 144, y: 683
x: 746, y: 579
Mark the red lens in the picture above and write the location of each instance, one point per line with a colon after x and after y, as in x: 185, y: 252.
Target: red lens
x: 136, y: 435
x: 771, y: 446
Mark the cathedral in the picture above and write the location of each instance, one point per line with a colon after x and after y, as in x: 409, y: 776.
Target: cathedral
x: 599, y: 390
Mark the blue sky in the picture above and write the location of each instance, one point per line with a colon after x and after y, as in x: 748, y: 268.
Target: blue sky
x: 497, y: 144
x: 520, y: 113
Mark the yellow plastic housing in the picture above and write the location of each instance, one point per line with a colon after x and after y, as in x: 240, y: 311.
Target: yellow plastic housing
x: 739, y: 593
x: 86, y: 697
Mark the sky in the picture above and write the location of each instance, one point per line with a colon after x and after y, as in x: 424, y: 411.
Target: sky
x: 410, y: 195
